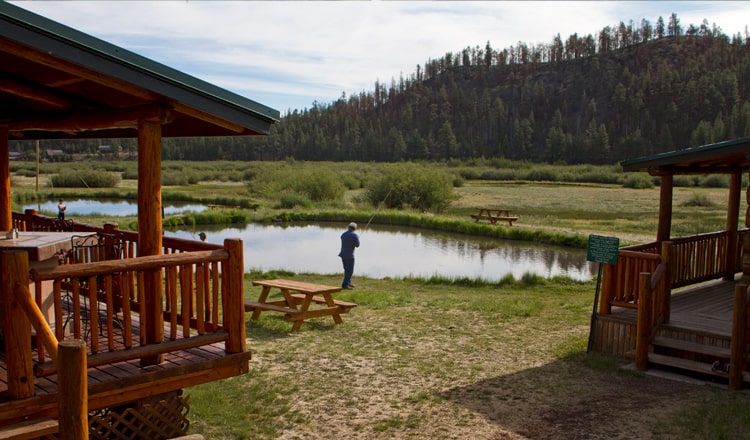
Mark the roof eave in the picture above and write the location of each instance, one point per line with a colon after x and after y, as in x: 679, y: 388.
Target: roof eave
x: 92, y: 53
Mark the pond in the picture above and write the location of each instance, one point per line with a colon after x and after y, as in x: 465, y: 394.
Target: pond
x: 114, y: 207
x: 396, y: 252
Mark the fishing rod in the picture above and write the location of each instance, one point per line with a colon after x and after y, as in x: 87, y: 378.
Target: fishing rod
x: 380, y: 205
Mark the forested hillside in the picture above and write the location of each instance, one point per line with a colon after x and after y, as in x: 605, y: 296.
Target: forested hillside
x: 630, y: 90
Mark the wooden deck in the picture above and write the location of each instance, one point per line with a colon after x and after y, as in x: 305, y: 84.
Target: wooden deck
x: 181, y: 368
x: 704, y: 309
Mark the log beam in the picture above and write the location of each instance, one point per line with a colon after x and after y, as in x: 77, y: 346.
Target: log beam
x: 101, y: 119
x: 34, y: 93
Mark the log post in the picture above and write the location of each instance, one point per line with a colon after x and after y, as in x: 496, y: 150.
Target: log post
x: 665, y: 208
x: 232, y: 294
x: 733, y: 218
x: 643, y: 329
x: 24, y: 300
x: 746, y: 240
x: 72, y: 402
x: 739, y: 332
x: 664, y: 305
x: 6, y: 201
x: 150, y: 230
x: 14, y: 266
x: 608, y: 280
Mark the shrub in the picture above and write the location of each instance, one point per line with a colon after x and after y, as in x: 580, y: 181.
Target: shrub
x: 699, y: 200
x: 85, y: 179
x: 289, y: 201
x: 320, y: 186
x: 638, y: 181
x: 317, y: 185
x: 685, y: 181
x: 411, y: 186
x: 715, y: 181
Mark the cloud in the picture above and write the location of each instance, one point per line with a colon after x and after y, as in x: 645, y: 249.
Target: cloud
x: 293, y: 53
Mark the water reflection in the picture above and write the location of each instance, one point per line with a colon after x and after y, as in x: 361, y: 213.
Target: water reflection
x: 115, y: 208
x: 397, y: 252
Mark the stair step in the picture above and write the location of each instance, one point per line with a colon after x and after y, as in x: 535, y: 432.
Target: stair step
x: 718, y: 352
x: 684, y: 364
x: 30, y: 429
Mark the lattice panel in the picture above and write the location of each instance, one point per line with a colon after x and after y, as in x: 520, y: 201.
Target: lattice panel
x: 163, y: 419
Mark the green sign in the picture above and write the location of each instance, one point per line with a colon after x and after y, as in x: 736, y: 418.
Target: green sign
x: 603, y: 249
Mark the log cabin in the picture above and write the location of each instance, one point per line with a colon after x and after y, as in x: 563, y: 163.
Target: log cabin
x: 99, y: 348
x: 682, y: 302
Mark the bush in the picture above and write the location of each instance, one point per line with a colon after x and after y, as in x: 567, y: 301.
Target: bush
x: 638, y: 181
x: 699, y: 200
x: 289, y: 201
x: 320, y: 186
x: 317, y: 185
x: 715, y: 181
x: 85, y: 179
x: 407, y: 185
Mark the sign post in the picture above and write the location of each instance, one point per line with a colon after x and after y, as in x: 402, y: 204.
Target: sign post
x: 602, y: 250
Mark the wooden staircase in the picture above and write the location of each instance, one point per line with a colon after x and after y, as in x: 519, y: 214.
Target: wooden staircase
x: 705, y: 358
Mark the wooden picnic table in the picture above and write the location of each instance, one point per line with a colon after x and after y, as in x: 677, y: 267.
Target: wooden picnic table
x: 296, y: 306
x: 494, y: 215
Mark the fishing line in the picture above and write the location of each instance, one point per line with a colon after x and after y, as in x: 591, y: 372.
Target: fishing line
x: 377, y: 210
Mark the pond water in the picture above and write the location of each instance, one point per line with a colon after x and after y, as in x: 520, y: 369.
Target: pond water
x: 115, y: 208
x: 397, y: 252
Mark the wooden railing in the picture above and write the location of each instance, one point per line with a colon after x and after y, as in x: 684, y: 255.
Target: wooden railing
x: 69, y: 356
x: 652, y: 290
x: 620, y: 282
x: 103, y: 301
x: 699, y: 258
x: 694, y: 259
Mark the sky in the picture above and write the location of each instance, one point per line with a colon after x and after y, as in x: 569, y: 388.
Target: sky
x: 289, y: 55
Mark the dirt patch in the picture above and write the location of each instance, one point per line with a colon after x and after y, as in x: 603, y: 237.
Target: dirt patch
x: 457, y: 375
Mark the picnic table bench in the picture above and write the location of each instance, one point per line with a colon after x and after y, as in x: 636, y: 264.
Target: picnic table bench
x: 296, y: 306
x: 494, y: 215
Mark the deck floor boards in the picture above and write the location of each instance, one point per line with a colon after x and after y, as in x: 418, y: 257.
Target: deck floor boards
x: 706, y: 308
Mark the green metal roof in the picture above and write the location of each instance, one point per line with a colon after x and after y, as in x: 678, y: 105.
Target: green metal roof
x: 49, y: 71
x: 721, y: 157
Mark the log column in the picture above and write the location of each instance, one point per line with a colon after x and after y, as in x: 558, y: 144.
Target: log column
x: 150, y: 230
x: 73, y: 390
x: 746, y: 242
x: 14, y: 266
x: 665, y: 207
x: 733, y: 218
x: 6, y: 206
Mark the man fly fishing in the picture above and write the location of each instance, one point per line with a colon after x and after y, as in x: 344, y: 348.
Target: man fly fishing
x: 349, y: 241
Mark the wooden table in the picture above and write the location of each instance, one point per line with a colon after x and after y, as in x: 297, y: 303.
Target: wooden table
x: 42, y: 247
x: 494, y: 215
x: 296, y: 306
